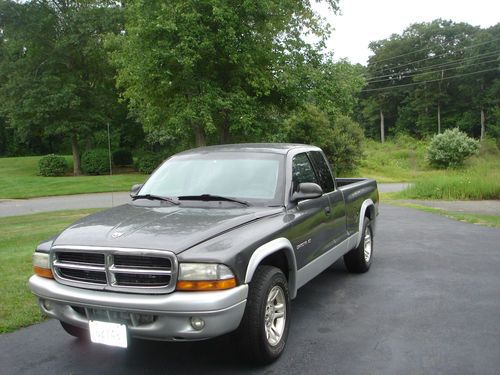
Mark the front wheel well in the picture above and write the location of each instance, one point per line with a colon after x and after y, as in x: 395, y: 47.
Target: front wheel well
x: 277, y: 259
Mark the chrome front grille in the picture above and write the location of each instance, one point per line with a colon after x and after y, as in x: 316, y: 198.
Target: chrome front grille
x: 115, y: 269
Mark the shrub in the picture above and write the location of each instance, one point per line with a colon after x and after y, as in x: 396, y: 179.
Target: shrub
x: 340, y: 137
x: 52, y: 165
x: 147, y: 162
x: 95, y: 161
x: 451, y: 148
x: 122, y: 157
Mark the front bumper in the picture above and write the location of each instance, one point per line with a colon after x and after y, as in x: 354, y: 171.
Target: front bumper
x: 168, y: 316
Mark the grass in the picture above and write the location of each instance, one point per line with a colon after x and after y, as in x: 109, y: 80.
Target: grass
x: 18, y: 237
x: 18, y: 179
x: 403, y: 160
x: 487, y: 220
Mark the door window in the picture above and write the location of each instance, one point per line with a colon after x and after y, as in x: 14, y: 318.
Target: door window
x: 324, y: 174
x: 302, y: 171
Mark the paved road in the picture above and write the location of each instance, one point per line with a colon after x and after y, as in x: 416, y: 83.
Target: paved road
x: 486, y: 207
x: 14, y: 207
x: 429, y: 305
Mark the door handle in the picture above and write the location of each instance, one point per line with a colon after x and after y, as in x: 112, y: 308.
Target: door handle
x: 328, y: 210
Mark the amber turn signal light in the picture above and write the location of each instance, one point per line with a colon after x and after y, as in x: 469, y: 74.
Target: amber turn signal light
x: 43, y: 272
x: 206, y: 285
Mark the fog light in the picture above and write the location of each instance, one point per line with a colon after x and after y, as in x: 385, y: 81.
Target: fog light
x: 46, y: 305
x: 197, y: 323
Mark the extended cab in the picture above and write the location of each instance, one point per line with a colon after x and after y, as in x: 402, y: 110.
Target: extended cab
x: 218, y: 239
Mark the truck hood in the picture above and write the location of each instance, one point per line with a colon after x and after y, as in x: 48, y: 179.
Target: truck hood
x: 173, y: 228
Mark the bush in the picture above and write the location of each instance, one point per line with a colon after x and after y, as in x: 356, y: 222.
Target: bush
x: 451, y: 148
x: 340, y: 137
x: 52, y: 165
x: 147, y: 162
x: 122, y: 158
x: 95, y: 161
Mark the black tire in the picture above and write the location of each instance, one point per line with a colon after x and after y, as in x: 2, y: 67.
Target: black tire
x: 355, y: 260
x: 254, y: 343
x: 78, y: 332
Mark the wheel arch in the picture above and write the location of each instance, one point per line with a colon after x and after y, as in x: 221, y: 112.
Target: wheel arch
x: 279, y: 253
x: 367, y: 210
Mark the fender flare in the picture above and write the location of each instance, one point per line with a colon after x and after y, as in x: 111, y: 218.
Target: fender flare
x: 366, y: 204
x: 278, y: 244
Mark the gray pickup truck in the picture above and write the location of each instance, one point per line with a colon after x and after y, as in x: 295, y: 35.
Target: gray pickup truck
x: 219, y: 239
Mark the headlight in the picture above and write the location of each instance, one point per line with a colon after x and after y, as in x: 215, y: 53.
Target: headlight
x: 205, y: 276
x: 41, y: 265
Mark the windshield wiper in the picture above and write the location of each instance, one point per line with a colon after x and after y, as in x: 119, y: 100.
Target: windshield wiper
x: 156, y: 197
x: 210, y: 197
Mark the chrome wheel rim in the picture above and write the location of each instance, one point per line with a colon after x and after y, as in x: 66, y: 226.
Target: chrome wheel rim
x: 275, y: 315
x: 368, y: 244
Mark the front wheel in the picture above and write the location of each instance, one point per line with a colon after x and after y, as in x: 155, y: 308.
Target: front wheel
x: 359, y: 259
x: 264, y: 329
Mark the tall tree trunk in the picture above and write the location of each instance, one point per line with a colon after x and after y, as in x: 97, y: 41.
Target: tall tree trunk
x: 76, y: 155
x: 224, y: 131
x: 382, y: 130
x: 483, y: 130
x: 199, y: 136
x: 439, y: 117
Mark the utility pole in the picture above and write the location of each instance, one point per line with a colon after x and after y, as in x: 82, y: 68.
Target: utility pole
x: 382, y: 131
x: 483, y: 130
x: 439, y: 103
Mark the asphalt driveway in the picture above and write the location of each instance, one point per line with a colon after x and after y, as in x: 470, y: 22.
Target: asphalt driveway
x: 429, y: 305
x: 14, y: 207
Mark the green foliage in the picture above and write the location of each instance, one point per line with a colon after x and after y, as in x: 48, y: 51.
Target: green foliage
x: 148, y: 162
x: 439, y: 64
x: 451, y: 148
x: 95, y: 161
x: 52, y: 165
x: 340, y: 137
x: 123, y: 157
x: 55, y: 80
x: 212, y: 72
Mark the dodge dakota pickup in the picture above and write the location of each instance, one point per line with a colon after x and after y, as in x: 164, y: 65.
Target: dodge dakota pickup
x: 219, y: 239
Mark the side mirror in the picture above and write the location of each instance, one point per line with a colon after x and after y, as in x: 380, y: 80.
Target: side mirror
x: 307, y: 190
x: 135, y: 189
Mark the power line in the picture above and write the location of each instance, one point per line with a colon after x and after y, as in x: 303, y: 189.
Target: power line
x: 416, y: 74
x: 436, y: 56
x: 404, y: 54
x: 428, y: 81
x: 480, y: 56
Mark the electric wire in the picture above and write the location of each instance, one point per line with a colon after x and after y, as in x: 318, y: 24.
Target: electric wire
x: 434, y: 66
x: 428, y: 81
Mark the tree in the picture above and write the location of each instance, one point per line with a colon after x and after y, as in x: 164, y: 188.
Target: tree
x: 433, y: 76
x: 54, y: 75
x: 215, y: 70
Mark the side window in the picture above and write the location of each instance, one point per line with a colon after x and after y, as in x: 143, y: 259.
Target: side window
x: 324, y: 174
x: 302, y: 171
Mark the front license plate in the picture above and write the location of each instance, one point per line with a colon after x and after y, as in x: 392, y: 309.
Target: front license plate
x: 112, y: 334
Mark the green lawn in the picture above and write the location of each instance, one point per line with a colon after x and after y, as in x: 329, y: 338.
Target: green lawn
x: 18, y: 237
x: 403, y: 160
x: 18, y: 179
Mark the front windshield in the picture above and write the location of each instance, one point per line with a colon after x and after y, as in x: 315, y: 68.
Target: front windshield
x: 253, y: 177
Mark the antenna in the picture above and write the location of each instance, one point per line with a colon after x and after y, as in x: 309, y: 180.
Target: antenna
x: 110, y: 167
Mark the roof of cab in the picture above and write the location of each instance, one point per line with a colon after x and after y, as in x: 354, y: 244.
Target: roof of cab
x: 275, y: 148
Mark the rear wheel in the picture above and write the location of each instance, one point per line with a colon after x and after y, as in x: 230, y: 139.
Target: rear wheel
x: 359, y: 259
x: 264, y: 329
x: 81, y: 333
